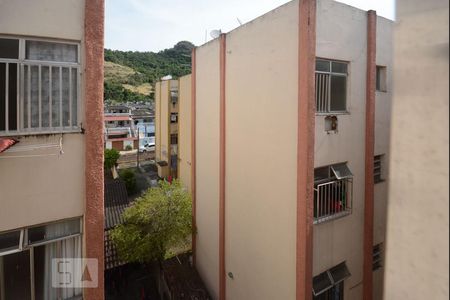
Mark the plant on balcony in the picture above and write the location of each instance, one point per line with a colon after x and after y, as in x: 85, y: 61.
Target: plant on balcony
x: 160, y: 220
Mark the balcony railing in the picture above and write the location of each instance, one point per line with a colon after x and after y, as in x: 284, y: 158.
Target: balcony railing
x: 40, y: 97
x: 332, y: 200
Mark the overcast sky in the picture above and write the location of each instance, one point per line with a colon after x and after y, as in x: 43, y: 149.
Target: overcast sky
x: 154, y: 25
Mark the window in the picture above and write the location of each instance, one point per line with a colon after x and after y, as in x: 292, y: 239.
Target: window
x: 42, y: 234
x: 331, y: 86
x: 329, y: 285
x: 33, y: 263
x: 173, y: 117
x: 376, y: 257
x: 10, y: 241
x: 173, y: 139
x: 381, y: 79
x: 378, y: 162
x: 39, y: 86
x: 333, y: 192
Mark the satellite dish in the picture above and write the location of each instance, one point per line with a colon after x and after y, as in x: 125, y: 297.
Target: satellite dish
x: 215, y: 33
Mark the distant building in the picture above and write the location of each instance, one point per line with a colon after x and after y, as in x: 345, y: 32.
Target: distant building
x: 291, y: 117
x: 120, y: 130
x: 51, y: 181
x: 173, y: 128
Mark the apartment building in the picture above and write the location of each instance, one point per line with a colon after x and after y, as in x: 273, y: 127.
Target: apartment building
x: 173, y: 127
x: 418, y: 209
x: 120, y: 130
x: 51, y: 179
x: 290, y: 133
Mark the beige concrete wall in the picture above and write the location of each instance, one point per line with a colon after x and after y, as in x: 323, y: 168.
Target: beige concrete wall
x: 417, y: 259
x: 207, y: 164
x: 44, y: 18
x: 42, y: 189
x: 261, y: 152
x: 184, y: 136
x: 341, y: 35
x: 42, y: 185
x: 383, y: 101
x: 158, y: 121
x: 164, y: 123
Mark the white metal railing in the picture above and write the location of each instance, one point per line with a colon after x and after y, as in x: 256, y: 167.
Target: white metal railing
x: 322, y: 92
x: 332, y: 199
x: 44, y: 99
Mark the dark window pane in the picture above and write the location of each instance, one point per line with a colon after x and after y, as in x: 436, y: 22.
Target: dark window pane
x: 321, y: 283
x: 321, y: 173
x: 322, y: 65
x: 9, y: 48
x: 16, y: 268
x: 9, y: 240
x: 338, y: 67
x: 338, y: 93
x: 2, y: 96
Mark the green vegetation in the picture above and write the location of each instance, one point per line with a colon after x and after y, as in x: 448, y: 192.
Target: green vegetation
x: 129, y: 75
x: 129, y: 178
x: 111, y: 157
x: 160, y: 220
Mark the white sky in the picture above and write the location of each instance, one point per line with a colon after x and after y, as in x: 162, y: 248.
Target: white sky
x: 154, y: 25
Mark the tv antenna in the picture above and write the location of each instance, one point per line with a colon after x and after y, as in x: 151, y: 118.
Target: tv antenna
x: 239, y: 21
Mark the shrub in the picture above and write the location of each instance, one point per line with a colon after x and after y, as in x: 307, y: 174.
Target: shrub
x: 111, y: 157
x: 129, y: 178
x: 158, y: 220
x: 128, y: 148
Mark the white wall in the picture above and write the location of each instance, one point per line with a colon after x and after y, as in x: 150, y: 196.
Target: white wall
x: 417, y: 262
x: 342, y: 35
x: 43, y: 18
x: 207, y: 164
x: 261, y: 155
x: 49, y: 187
x: 383, y: 104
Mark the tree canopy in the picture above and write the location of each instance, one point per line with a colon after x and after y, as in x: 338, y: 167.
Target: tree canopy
x: 159, y: 220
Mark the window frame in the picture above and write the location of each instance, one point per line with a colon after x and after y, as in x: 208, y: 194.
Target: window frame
x: 378, y: 159
x: 377, y: 256
x: 21, y: 62
x: 381, y: 79
x: 331, y: 73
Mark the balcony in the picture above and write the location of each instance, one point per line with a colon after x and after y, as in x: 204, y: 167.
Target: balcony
x: 333, y: 196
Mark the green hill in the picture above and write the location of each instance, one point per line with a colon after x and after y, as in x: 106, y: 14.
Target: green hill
x: 130, y: 75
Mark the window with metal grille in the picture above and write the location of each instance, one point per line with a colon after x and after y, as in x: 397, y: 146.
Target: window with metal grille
x: 333, y: 192
x: 378, y: 168
x: 376, y: 257
x: 39, y: 86
x: 331, y: 86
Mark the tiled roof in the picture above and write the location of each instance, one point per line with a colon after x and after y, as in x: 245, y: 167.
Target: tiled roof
x: 183, y: 281
x: 111, y: 257
x: 115, y: 193
x: 116, y: 201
